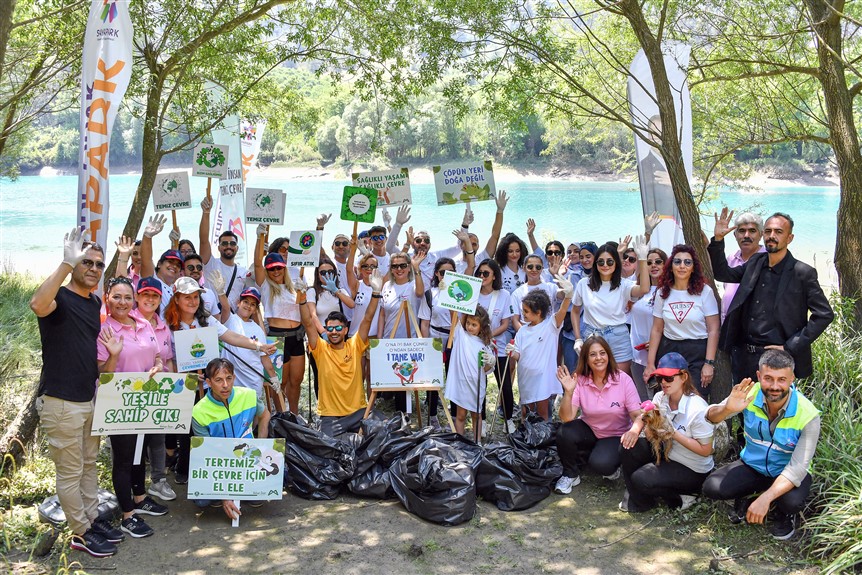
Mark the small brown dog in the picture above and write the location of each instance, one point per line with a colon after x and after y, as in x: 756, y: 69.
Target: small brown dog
x: 658, y: 430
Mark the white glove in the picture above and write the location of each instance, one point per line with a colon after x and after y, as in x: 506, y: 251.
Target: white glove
x: 322, y: 219
x: 650, y: 223
x: 402, y: 216
x: 387, y: 218
x: 641, y: 248
x: 468, y: 217
x: 488, y: 358
x: 216, y: 281
x: 579, y: 343
x: 261, y: 230
x: 510, y: 348
x: 566, y: 286
x: 502, y: 199
x: 73, y: 247
x: 207, y: 205
x: 174, y: 236
x: 376, y: 282
x: 363, y: 249
x: 300, y: 286
x: 155, y: 226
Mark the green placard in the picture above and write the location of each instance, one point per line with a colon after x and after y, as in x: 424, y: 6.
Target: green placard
x: 358, y: 204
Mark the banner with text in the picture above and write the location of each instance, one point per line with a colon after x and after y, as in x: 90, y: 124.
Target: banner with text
x: 459, y: 292
x: 264, y: 206
x: 210, y: 160
x: 406, y: 363
x: 244, y: 469
x: 393, y: 186
x: 358, y: 204
x: 304, y: 249
x: 195, y: 348
x: 229, y: 202
x: 463, y: 182
x: 171, y: 192
x: 131, y: 403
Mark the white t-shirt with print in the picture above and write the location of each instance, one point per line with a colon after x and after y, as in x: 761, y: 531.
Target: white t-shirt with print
x: 537, y: 365
x: 684, y: 314
x: 502, y: 309
x: 690, y: 420
x: 393, y: 294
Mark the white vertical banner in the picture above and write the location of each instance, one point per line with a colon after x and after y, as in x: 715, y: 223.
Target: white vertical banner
x: 251, y: 136
x: 230, y: 200
x: 656, y: 190
x: 106, y: 70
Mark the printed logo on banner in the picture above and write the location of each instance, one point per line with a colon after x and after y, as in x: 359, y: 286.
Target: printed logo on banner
x: 195, y: 348
x: 304, y: 249
x: 109, y: 11
x: 358, y: 204
x: 171, y: 192
x: 461, y: 292
x: 264, y: 206
x: 210, y: 161
x: 406, y: 362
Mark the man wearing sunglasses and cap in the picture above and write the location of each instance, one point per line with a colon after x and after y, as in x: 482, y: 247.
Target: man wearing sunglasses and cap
x: 341, y: 395
x: 170, y: 265
x: 233, y: 273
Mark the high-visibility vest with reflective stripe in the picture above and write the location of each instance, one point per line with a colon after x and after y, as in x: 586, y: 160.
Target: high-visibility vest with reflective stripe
x: 767, y: 452
x: 234, y: 421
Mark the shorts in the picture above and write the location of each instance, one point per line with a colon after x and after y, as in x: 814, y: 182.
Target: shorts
x: 294, y: 339
x: 617, y: 337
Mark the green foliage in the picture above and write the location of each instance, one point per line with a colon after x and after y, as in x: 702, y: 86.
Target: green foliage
x: 19, y: 339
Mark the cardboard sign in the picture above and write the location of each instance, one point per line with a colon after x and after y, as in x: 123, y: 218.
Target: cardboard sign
x: 358, y: 204
x: 132, y: 403
x: 464, y: 182
x: 195, y: 348
x: 210, y: 160
x: 171, y: 192
x: 304, y: 249
x: 244, y: 469
x: 406, y: 363
x: 277, y: 358
x: 264, y: 206
x: 459, y: 292
x: 393, y: 186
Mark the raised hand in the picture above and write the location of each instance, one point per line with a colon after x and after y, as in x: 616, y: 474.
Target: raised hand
x: 329, y: 283
x: 155, y: 226
x: 567, y: 287
x: 322, y: 219
x: 262, y: 230
x: 360, y: 245
x: 402, y: 216
x: 112, y: 343
x: 387, y: 218
x: 738, y: 399
x: 73, y: 247
x: 468, y: 217
x: 299, y: 286
x: 417, y: 259
x: 410, y: 236
x: 566, y: 380
x: 531, y: 226
x: 216, y: 281
x: 641, y: 247
x: 174, y: 236
x: 650, y: 222
x: 722, y: 224
x: 376, y: 282
x: 124, y: 247
x: 502, y: 199
x: 624, y: 244
x: 206, y: 205
x: 463, y: 237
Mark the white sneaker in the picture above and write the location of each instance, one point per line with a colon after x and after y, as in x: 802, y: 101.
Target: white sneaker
x: 564, y: 484
x: 484, y: 431
x: 162, y: 490
x: 687, y: 501
x: 510, y: 426
x: 613, y: 476
x: 624, y: 504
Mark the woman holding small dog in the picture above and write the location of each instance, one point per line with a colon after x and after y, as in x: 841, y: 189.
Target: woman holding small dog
x: 674, y: 458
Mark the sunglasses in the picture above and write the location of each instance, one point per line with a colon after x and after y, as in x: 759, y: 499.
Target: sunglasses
x: 282, y: 250
x: 553, y: 253
x: 630, y: 259
x: 228, y: 244
x: 194, y: 268
x: 606, y: 262
x: 665, y: 378
x: 442, y: 273
x: 399, y: 266
x: 378, y: 238
x: 119, y: 280
x: 368, y: 267
x: 341, y: 244
x: 422, y: 241
x: 325, y: 272
x: 484, y: 273
x: 656, y: 262
x: 331, y: 328
x: 87, y: 263
x: 683, y: 262
x: 534, y: 267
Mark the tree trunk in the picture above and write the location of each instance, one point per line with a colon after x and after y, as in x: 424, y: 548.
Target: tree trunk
x: 845, y: 143
x: 20, y: 432
x: 7, y: 9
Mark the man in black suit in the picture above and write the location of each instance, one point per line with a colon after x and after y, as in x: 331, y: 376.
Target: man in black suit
x: 770, y: 310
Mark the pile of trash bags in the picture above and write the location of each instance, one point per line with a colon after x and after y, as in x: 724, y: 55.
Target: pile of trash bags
x: 436, y: 475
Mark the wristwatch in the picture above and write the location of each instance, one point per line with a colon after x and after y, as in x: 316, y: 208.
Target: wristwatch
x: 709, y: 362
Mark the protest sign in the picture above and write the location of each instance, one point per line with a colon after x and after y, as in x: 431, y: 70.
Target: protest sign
x: 277, y: 358
x: 264, y: 206
x: 195, y: 348
x: 464, y: 182
x: 210, y: 160
x: 171, y: 192
x: 244, y: 468
x: 358, y: 204
x: 406, y: 363
x: 459, y: 292
x: 130, y: 403
x: 393, y: 186
x: 304, y: 249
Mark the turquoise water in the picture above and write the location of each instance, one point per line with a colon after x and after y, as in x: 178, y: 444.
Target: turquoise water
x: 36, y: 211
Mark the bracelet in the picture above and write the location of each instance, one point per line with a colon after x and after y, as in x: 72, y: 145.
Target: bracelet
x: 709, y: 362
x: 470, y: 253
x: 376, y: 295
x: 303, y: 302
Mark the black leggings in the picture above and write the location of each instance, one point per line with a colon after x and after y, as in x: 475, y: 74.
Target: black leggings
x: 738, y: 480
x: 127, y: 478
x: 647, y: 481
x: 576, y: 443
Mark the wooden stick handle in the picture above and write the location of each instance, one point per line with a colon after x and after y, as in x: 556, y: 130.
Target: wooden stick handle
x: 209, y: 188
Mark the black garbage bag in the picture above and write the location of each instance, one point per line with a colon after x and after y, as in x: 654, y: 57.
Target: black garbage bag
x: 435, y: 481
x: 515, y: 478
x: 371, y: 478
x: 51, y: 512
x: 534, y: 432
x: 317, y: 466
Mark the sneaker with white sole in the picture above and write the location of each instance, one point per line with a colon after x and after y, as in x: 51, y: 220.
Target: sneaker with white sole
x: 93, y: 543
x: 564, y: 484
x: 510, y: 426
x: 162, y: 490
x: 136, y: 527
x: 613, y: 476
x: 687, y: 501
x: 104, y: 528
x: 624, y: 504
x: 784, y: 526
x: 149, y: 507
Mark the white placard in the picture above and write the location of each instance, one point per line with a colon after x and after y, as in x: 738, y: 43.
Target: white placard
x: 195, y: 348
x: 243, y: 469
x: 393, y: 186
x: 130, y: 403
x: 461, y: 292
x: 264, y: 206
x: 462, y: 182
x: 304, y: 249
x: 171, y: 192
x: 210, y: 160
x: 406, y: 363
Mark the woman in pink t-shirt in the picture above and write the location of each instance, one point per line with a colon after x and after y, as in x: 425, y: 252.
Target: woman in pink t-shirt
x: 608, y: 402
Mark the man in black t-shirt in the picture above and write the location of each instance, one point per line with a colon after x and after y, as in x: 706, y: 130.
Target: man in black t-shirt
x: 68, y: 326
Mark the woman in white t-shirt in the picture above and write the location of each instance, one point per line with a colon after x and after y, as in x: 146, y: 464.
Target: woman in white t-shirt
x: 640, y: 316
x: 685, y: 318
x: 676, y: 476
x: 510, y: 256
x: 249, y: 365
x: 604, y: 297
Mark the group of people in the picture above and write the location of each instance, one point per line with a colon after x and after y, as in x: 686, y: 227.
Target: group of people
x: 598, y: 327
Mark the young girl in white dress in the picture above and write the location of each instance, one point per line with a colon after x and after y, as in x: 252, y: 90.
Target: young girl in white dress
x: 471, y: 359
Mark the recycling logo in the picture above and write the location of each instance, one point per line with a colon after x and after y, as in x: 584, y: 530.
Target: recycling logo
x: 460, y: 291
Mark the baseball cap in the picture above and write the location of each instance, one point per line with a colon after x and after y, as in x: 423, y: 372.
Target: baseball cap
x: 250, y: 292
x: 150, y: 284
x: 274, y: 260
x: 172, y: 255
x: 670, y: 364
x: 363, y: 234
x: 187, y: 285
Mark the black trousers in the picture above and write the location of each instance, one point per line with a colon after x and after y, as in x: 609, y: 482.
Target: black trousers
x: 648, y: 482
x: 127, y: 478
x: 694, y: 352
x: 577, y: 444
x: 738, y: 480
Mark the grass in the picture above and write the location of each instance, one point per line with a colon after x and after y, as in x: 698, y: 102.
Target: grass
x: 21, y: 359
